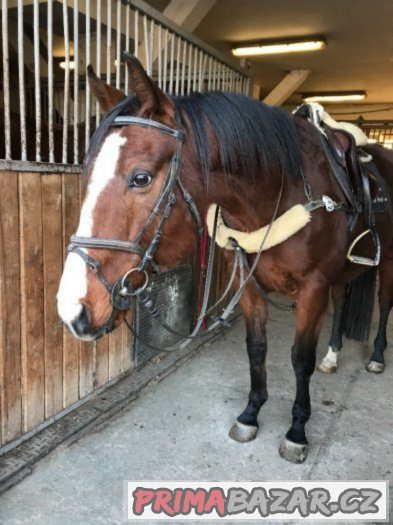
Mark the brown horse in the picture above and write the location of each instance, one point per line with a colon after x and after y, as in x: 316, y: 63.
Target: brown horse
x: 242, y: 155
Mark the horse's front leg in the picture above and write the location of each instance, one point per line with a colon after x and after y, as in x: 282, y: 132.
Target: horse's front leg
x: 255, y: 313
x: 311, y: 303
x: 329, y: 362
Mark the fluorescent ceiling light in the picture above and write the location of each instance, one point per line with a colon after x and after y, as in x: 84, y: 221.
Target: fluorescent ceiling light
x: 345, y: 96
x: 279, y: 47
x: 63, y: 64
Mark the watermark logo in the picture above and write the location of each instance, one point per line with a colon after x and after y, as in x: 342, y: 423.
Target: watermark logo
x: 275, y: 500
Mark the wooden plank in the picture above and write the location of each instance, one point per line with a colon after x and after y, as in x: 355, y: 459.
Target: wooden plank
x: 53, y: 263
x: 287, y: 86
x: 70, y: 204
x: 115, y: 352
x: 127, y: 363
x: 87, y: 350
x: 87, y: 357
x: 102, y: 361
x: 30, y: 203
x: 10, y: 343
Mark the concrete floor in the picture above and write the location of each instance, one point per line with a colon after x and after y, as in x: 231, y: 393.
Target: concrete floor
x: 178, y: 430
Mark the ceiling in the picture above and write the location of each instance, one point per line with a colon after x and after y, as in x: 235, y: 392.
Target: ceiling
x: 359, y: 33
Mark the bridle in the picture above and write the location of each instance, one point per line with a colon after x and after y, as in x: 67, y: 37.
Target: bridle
x: 122, y: 292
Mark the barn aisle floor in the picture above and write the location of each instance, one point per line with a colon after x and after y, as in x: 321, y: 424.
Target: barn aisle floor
x: 178, y: 430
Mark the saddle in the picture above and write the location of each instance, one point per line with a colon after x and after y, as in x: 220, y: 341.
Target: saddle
x: 356, y: 174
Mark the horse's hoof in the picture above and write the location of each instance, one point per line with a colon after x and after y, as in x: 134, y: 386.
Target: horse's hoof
x: 327, y: 366
x: 293, y: 452
x: 243, y: 433
x: 375, y: 367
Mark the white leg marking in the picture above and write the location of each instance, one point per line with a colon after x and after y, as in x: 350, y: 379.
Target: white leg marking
x: 331, y: 356
x: 329, y: 362
x: 73, y: 284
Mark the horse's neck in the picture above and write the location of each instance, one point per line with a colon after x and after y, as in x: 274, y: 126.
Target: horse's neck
x: 244, y: 204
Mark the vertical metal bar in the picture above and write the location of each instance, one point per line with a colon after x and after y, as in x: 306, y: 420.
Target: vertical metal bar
x: 126, y: 79
x: 66, y: 79
x: 88, y: 58
x: 214, y: 75
x: 146, y: 41
x: 151, y: 47
x: 195, y: 68
x: 6, y: 79
x: 177, y: 66
x: 98, y: 53
x: 189, y: 69
x: 209, y: 80
x: 229, y: 79
x: 37, y: 78
x: 224, y: 78
x: 76, y: 78
x: 50, y: 82
x: 165, y: 60
x: 21, y: 72
x: 204, y: 73
x: 108, y: 40
x: 136, y: 32
x: 200, y: 71
x: 183, y: 71
x: 159, y: 56
x: 118, y: 35
x: 171, y: 63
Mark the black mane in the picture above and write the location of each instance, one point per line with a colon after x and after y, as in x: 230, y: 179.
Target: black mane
x: 251, y: 135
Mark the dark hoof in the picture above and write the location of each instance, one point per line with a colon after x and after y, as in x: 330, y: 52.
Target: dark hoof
x: 293, y: 452
x: 243, y: 433
x: 375, y: 367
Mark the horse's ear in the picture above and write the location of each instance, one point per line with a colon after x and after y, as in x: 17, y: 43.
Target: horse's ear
x: 151, y: 98
x: 107, y: 96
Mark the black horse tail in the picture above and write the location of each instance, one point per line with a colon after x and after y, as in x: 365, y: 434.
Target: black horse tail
x: 359, y: 306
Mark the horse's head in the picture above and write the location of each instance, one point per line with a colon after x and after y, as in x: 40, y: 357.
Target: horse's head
x: 130, y: 168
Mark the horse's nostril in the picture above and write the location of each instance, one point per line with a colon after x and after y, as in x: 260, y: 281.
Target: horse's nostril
x: 82, y: 324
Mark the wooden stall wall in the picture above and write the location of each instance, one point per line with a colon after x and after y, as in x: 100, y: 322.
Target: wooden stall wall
x: 43, y: 369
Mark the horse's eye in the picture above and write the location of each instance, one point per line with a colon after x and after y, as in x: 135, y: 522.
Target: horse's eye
x: 140, y: 179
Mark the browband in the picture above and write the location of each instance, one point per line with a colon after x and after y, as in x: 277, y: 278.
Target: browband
x: 147, y: 123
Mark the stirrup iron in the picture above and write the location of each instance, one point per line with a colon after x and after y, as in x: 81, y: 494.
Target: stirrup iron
x: 357, y: 259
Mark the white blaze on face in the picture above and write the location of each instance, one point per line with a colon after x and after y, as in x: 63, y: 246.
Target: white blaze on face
x: 73, y: 284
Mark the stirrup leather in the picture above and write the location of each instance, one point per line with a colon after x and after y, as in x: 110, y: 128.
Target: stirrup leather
x: 357, y: 259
